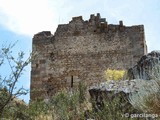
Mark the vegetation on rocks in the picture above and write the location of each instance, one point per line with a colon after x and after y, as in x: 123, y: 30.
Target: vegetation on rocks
x: 147, y: 98
x: 67, y: 105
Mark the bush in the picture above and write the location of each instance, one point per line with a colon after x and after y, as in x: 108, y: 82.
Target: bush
x: 114, y: 74
x: 70, y: 105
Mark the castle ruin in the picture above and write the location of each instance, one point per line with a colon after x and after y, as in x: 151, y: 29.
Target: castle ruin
x: 82, y: 51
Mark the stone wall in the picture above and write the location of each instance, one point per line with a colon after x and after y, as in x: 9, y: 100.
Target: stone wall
x: 82, y: 51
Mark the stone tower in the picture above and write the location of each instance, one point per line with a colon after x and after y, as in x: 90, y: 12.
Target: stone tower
x: 82, y: 51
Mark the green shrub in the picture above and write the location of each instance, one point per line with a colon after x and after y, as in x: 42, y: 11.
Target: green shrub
x: 69, y: 105
x: 114, y: 107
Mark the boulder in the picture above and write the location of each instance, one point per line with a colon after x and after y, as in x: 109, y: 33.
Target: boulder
x: 147, y: 68
x: 117, y: 91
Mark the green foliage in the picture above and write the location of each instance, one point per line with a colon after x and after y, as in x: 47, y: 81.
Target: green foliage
x: 65, y: 104
x: 114, y: 107
x: 114, y: 74
x: 68, y: 105
x: 37, y: 108
x: 82, y: 92
x: 15, y: 110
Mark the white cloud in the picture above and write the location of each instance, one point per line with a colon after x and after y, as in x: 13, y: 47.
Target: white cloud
x: 27, y: 16
x: 31, y: 16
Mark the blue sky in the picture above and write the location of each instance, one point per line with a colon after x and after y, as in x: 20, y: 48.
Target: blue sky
x: 21, y: 19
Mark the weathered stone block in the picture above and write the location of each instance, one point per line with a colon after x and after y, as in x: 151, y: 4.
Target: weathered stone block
x: 147, y: 68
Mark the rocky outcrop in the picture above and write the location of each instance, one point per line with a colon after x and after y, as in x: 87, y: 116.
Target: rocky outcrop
x: 144, y: 73
x: 114, y: 96
x: 147, y: 68
x: 112, y: 91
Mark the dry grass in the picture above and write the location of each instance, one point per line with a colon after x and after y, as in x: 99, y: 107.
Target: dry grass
x: 153, y: 103
x: 147, y: 99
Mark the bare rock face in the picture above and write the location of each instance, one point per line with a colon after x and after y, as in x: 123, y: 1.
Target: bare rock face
x: 147, y: 67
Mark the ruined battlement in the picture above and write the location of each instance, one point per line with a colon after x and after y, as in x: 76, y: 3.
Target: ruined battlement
x: 81, y: 51
x: 95, y: 25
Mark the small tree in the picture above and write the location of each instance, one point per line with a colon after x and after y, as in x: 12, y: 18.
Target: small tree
x: 8, y: 90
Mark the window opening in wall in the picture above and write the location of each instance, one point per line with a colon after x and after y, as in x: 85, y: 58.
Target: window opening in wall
x: 72, y: 81
x: 36, y: 65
